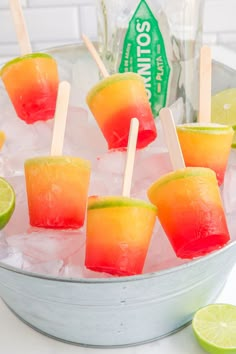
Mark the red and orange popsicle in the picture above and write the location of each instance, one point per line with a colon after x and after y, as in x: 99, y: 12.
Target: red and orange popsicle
x: 119, y: 228
x: 57, y: 190
x: 115, y: 100
x: 119, y: 231
x: 206, y: 145
x: 203, y: 143
x: 190, y: 210
x: 188, y: 203
x: 31, y: 80
x: 57, y: 185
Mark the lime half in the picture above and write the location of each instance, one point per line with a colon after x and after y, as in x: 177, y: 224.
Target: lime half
x: 7, y: 202
x: 223, y: 109
x: 215, y: 328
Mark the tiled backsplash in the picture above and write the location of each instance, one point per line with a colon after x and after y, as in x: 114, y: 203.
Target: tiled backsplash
x: 56, y: 22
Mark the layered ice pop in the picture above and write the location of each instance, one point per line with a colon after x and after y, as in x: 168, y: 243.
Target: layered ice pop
x: 31, y: 82
x: 188, y: 202
x: 119, y: 230
x: 57, y: 189
x: 114, y: 101
x: 206, y: 145
x: 57, y: 185
x: 190, y: 210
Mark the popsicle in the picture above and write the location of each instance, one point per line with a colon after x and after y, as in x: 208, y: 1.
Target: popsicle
x: 205, y: 144
x: 115, y: 100
x: 119, y: 228
x: 31, y: 80
x: 57, y: 185
x: 189, y: 204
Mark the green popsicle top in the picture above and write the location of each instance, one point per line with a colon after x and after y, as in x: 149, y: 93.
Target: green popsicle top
x: 183, y: 173
x: 57, y: 160
x: 110, y: 80
x: 25, y: 57
x: 96, y: 202
x: 210, y: 128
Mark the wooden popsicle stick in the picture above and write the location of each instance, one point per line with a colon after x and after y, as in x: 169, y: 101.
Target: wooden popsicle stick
x: 129, y: 166
x: 95, y: 56
x: 20, y: 27
x: 60, y: 118
x: 171, y: 138
x: 204, y: 115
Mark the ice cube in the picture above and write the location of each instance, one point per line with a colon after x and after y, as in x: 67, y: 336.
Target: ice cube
x: 47, y: 245
x: 160, y: 254
x: 108, y: 171
x: 149, y: 167
x: 52, y: 268
x: 83, y: 139
x: 13, y: 259
x: 19, y: 221
x: 4, y: 251
x: 228, y: 188
x: 72, y: 271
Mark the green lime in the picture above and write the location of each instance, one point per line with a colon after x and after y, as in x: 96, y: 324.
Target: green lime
x: 223, y: 109
x: 7, y: 202
x: 215, y: 328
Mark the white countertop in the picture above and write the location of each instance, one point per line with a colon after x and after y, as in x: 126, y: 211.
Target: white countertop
x: 17, y: 337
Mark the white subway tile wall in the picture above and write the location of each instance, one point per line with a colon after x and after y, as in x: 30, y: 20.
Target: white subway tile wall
x: 57, y: 22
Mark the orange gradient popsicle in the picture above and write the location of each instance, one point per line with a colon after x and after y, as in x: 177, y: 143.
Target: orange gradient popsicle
x: 32, y: 83
x: 114, y: 101
x: 119, y: 230
x: 57, y: 188
x: 190, y: 210
x: 206, y: 145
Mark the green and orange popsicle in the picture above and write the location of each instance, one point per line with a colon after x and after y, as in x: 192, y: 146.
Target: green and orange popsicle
x: 31, y: 80
x: 115, y: 100
x: 189, y: 204
x: 119, y: 228
x: 57, y: 186
x: 205, y: 144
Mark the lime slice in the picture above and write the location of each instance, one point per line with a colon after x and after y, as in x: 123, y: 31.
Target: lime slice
x: 223, y: 109
x: 2, y: 139
x: 215, y: 328
x: 7, y: 202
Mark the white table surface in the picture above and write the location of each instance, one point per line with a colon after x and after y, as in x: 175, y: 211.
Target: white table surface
x: 17, y: 337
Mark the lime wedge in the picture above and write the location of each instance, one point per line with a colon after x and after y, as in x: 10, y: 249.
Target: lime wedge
x: 223, y: 109
x: 2, y: 139
x: 7, y: 202
x: 215, y: 328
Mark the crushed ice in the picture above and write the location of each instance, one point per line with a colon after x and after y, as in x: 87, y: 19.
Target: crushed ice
x: 61, y: 253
